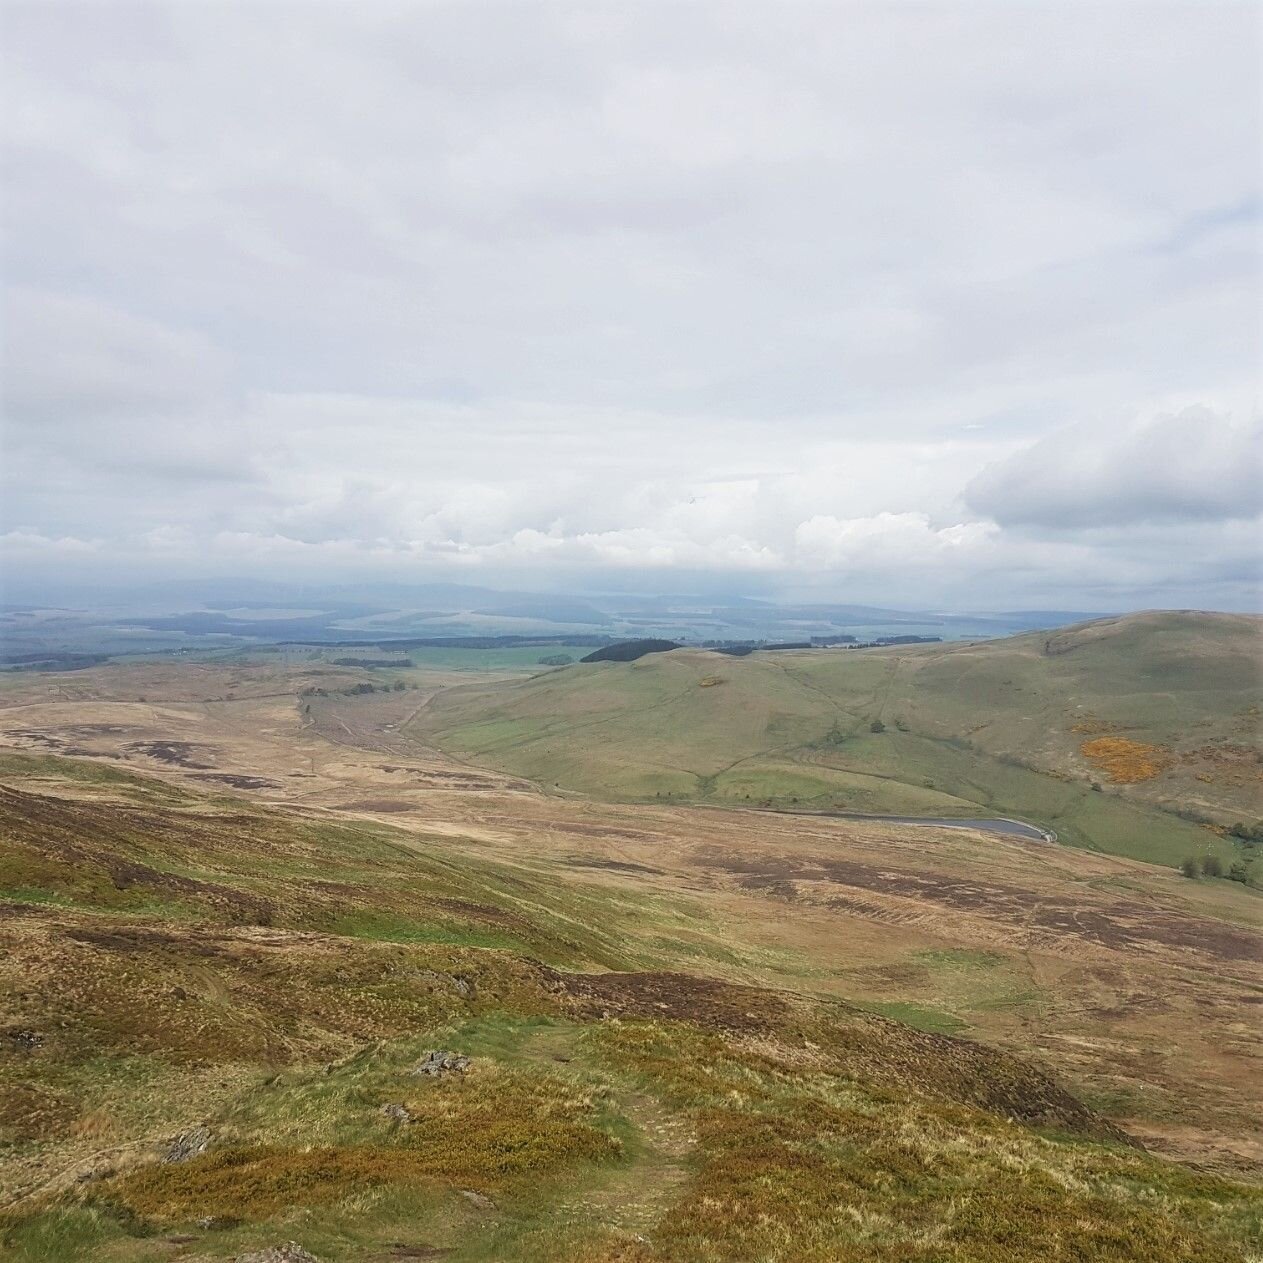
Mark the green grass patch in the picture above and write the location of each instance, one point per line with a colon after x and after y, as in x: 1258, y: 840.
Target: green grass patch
x: 917, y: 1016
x: 389, y: 929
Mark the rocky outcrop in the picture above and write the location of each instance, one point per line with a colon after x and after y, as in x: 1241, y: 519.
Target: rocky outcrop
x: 436, y: 1063
x: 188, y: 1144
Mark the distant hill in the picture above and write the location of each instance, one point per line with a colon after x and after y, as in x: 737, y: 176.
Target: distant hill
x: 1125, y: 734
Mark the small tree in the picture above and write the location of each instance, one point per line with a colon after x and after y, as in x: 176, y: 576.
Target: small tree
x: 1191, y: 868
x: 1240, y: 871
x: 1212, y: 866
x: 877, y: 726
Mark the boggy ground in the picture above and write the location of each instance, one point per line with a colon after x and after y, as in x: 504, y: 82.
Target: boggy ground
x: 267, y: 961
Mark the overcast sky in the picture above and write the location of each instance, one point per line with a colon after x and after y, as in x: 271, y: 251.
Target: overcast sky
x: 952, y: 305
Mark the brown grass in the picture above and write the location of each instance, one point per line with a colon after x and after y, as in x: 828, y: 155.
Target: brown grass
x: 488, y: 1131
x: 813, y: 1167
x: 31, y: 1111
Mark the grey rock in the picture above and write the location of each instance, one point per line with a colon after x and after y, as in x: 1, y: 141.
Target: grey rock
x: 477, y: 1199
x: 398, y: 1111
x: 188, y: 1144
x: 286, y: 1252
x: 437, y: 1062
x: 89, y: 1174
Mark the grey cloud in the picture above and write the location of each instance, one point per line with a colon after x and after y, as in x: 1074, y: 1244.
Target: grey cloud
x: 71, y: 358
x: 548, y: 287
x: 1191, y: 465
x: 654, y: 211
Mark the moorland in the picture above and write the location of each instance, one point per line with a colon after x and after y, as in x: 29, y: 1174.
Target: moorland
x: 246, y: 893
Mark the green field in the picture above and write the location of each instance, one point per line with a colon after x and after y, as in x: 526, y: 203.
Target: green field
x: 1129, y: 736
x: 513, y: 658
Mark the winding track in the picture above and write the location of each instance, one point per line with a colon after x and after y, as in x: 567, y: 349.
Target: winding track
x: 999, y: 824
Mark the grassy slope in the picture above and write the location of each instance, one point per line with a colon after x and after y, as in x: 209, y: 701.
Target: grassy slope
x: 173, y: 960
x: 999, y: 725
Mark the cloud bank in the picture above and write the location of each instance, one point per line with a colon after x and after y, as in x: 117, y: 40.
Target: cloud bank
x: 949, y: 305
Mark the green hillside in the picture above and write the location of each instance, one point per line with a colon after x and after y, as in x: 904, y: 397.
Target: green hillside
x: 1126, y: 735
x: 213, y: 1016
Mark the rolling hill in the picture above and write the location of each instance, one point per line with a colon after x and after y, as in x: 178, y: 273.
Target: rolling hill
x: 1128, y: 735
x: 272, y: 969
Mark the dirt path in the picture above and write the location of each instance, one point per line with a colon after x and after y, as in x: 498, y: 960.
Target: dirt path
x: 633, y: 1198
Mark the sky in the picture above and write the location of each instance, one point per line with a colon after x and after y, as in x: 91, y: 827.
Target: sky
x: 945, y: 305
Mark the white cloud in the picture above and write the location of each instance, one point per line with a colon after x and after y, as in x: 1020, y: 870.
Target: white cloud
x: 888, y: 539
x: 26, y: 544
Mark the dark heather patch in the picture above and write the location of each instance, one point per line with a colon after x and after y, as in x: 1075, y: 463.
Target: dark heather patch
x: 704, y: 1001
x: 178, y: 753
x: 236, y: 780
x: 613, y: 866
x: 1115, y: 926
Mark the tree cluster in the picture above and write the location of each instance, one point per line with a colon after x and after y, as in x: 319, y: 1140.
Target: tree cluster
x: 1212, y: 866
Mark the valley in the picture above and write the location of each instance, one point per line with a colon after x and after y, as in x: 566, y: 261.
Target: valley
x: 246, y: 896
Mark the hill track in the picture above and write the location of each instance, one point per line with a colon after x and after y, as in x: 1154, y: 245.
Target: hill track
x: 1001, y: 825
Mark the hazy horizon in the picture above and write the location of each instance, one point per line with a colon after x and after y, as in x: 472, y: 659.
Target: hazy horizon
x: 954, y: 307
x: 222, y: 591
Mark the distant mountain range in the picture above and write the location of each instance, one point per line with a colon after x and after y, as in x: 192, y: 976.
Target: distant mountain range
x: 190, y: 613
